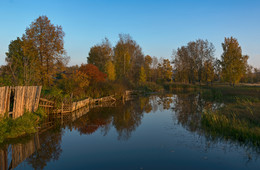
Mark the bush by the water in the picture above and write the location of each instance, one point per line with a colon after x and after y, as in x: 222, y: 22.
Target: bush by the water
x: 26, y: 124
x: 176, y: 87
x: 150, y: 87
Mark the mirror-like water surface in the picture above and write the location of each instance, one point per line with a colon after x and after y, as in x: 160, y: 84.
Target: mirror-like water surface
x: 155, y: 132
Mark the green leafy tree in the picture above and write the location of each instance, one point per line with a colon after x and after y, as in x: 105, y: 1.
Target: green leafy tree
x: 233, y: 62
x: 110, y: 70
x: 16, y: 62
x: 189, y: 60
x: 99, y: 55
x: 128, y: 58
x: 208, y: 72
x: 147, y: 66
x: 142, y: 77
x: 167, y: 70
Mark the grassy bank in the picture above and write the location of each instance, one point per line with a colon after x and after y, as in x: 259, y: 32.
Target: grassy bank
x: 219, y: 125
x: 239, y: 119
x: 24, y: 125
x: 177, y: 87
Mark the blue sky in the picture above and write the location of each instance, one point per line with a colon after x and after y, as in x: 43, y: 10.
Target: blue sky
x: 157, y: 26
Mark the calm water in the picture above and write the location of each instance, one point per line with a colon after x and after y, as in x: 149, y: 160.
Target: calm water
x: 155, y: 132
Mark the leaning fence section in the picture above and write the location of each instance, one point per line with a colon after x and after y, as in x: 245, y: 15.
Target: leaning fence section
x: 17, y: 100
x: 4, y: 99
x: 26, y: 98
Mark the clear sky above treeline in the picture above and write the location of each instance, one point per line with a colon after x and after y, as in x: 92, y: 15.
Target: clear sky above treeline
x: 158, y: 26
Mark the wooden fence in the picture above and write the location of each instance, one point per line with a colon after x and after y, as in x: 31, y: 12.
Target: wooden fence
x: 71, y: 107
x: 5, y: 93
x: 46, y: 105
x: 17, y: 100
x: 26, y: 98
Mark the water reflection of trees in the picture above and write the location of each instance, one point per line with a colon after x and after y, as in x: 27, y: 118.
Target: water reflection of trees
x: 189, y: 107
x: 124, y: 118
x: 50, y: 149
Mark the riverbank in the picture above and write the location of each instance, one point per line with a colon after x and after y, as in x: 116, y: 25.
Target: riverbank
x: 239, y: 119
x: 241, y: 110
x: 22, y: 126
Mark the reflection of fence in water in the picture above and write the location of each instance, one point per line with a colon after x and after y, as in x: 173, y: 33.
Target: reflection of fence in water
x: 20, y: 152
x: 68, y: 117
x: 3, y: 159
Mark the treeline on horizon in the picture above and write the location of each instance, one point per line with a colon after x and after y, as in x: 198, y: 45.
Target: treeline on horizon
x: 38, y: 57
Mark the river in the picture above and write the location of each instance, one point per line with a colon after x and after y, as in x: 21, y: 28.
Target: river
x: 149, y: 132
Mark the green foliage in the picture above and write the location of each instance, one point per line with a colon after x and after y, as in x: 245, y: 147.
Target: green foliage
x: 55, y: 94
x: 218, y: 125
x: 101, y: 54
x: 167, y: 70
x: 194, y: 61
x: 41, y: 114
x: 175, y: 87
x: 24, y: 125
x: 128, y: 58
x: 150, y: 87
x: 212, y: 95
x: 233, y: 63
x: 142, y: 77
x: 110, y: 70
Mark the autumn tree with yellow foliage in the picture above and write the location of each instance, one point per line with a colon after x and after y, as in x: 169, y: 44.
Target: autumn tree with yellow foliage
x: 233, y: 63
x: 142, y: 77
x: 44, y: 41
x: 110, y: 70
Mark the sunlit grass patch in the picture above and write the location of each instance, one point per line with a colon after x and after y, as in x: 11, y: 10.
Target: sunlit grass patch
x: 230, y: 126
x: 26, y: 124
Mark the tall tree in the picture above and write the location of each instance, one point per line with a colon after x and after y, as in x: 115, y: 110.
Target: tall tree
x: 110, y: 70
x: 142, y: 77
x: 189, y: 61
x: 167, y: 70
x: 154, y: 73
x: 232, y: 61
x: 208, y: 72
x: 128, y: 58
x: 44, y: 41
x: 100, y: 54
x: 147, y: 66
x: 16, y: 62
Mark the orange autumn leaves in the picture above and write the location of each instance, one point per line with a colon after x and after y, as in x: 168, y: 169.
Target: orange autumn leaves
x: 91, y: 74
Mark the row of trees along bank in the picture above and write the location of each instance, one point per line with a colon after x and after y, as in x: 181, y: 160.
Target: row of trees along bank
x: 38, y: 57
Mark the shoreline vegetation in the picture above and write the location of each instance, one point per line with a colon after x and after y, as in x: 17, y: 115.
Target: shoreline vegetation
x: 237, y: 120
x: 38, y: 58
x: 20, y: 127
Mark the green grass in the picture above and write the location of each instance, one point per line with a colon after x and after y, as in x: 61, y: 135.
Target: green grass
x: 24, y: 125
x: 219, y: 125
x: 177, y: 87
x: 239, y: 119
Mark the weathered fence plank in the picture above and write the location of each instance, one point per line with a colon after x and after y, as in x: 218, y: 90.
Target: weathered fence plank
x: 4, y: 100
x: 26, y: 98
